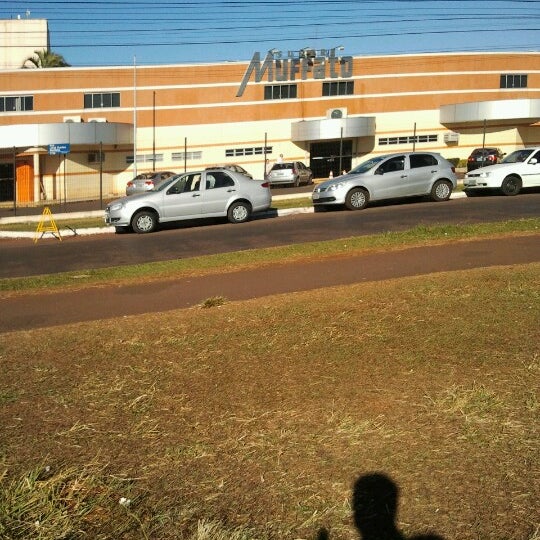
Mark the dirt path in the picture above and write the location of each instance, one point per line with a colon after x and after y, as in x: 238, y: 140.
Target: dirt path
x: 42, y: 310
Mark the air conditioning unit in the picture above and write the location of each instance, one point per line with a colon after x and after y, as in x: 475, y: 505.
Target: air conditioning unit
x: 71, y: 119
x: 451, y: 137
x: 97, y: 119
x: 336, y: 113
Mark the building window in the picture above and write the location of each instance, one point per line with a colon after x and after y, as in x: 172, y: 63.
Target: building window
x: 182, y: 156
x: 251, y: 151
x: 340, y: 88
x: 16, y: 103
x: 102, y: 101
x: 280, y: 91
x: 96, y: 157
x: 514, y: 81
x: 408, y: 139
x: 145, y: 158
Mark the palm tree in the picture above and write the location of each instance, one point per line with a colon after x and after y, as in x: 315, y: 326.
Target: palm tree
x: 45, y: 59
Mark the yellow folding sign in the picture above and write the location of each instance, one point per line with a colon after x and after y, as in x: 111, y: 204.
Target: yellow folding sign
x: 47, y: 224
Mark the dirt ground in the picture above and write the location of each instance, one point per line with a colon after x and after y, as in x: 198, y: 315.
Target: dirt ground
x: 288, y: 416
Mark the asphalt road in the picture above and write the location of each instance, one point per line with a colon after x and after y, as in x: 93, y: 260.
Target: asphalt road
x: 23, y: 312
x: 24, y: 258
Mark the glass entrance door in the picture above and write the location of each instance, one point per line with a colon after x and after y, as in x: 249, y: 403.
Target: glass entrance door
x: 325, y: 157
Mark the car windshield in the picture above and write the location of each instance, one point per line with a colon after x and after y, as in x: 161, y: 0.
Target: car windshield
x: 518, y: 156
x: 367, y: 165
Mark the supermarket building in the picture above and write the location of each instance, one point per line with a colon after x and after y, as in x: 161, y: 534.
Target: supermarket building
x: 80, y: 133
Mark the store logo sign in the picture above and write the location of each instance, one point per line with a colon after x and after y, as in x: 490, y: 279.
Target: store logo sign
x: 320, y: 64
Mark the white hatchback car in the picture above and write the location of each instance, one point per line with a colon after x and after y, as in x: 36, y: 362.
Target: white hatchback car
x: 520, y: 169
x: 200, y: 194
x: 387, y: 177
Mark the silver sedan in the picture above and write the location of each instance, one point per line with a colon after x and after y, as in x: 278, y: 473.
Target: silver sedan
x: 386, y: 177
x: 201, y: 194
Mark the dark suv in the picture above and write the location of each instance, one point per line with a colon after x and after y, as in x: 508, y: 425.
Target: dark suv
x: 482, y: 157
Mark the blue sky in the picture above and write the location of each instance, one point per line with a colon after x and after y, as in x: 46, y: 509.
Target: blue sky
x: 121, y: 32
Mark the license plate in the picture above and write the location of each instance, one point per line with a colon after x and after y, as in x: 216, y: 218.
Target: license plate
x: 471, y: 182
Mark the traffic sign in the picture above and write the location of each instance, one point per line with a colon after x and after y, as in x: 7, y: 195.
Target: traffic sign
x: 59, y: 149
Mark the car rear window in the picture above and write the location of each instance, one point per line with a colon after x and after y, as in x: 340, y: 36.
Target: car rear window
x: 279, y: 166
x: 480, y: 151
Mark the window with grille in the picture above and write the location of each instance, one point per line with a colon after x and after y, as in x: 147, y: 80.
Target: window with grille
x: 16, y: 103
x: 250, y: 151
x: 280, y: 91
x: 339, y: 88
x: 514, y: 81
x: 408, y: 139
x: 145, y: 158
x: 103, y: 100
x: 182, y: 156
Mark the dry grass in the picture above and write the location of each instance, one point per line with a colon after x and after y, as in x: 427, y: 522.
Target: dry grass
x: 255, y: 420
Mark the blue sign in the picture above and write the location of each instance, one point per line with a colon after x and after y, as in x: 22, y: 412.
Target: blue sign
x: 58, y: 149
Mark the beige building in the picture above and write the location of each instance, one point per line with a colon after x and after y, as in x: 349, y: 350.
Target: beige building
x: 80, y: 133
x: 20, y: 38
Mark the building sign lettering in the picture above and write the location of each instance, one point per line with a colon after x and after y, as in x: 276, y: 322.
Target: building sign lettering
x: 320, y: 64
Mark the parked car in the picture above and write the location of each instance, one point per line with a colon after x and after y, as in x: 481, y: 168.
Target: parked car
x: 520, y: 169
x: 290, y: 172
x: 481, y: 157
x: 232, y: 167
x: 387, y: 177
x: 201, y: 194
x: 147, y: 181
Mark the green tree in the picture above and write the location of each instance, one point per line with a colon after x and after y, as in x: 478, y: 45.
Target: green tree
x: 45, y: 59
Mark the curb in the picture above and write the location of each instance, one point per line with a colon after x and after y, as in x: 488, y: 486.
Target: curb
x: 109, y: 230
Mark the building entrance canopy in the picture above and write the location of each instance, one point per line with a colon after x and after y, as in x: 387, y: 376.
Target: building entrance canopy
x: 511, y: 111
x: 333, y: 128
x: 81, y: 133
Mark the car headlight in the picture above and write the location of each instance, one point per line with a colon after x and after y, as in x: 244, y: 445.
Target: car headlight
x: 116, y: 206
x: 484, y: 174
x: 335, y: 187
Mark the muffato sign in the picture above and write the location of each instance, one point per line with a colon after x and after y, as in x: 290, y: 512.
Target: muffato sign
x: 317, y: 64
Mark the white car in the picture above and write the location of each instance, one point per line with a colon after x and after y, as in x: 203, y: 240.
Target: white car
x: 520, y: 169
x: 201, y: 194
x: 406, y: 174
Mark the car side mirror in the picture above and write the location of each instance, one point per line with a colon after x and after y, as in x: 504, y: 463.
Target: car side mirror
x: 533, y: 161
x: 379, y: 171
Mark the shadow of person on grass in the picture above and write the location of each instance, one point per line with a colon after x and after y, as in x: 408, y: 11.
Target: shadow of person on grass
x: 375, y: 502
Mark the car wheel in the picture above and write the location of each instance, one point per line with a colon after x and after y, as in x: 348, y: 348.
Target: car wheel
x: 441, y: 191
x: 239, y: 212
x: 511, y: 185
x: 356, y: 199
x: 144, y: 221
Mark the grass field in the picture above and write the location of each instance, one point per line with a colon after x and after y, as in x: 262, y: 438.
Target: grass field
x: 266, y: 419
